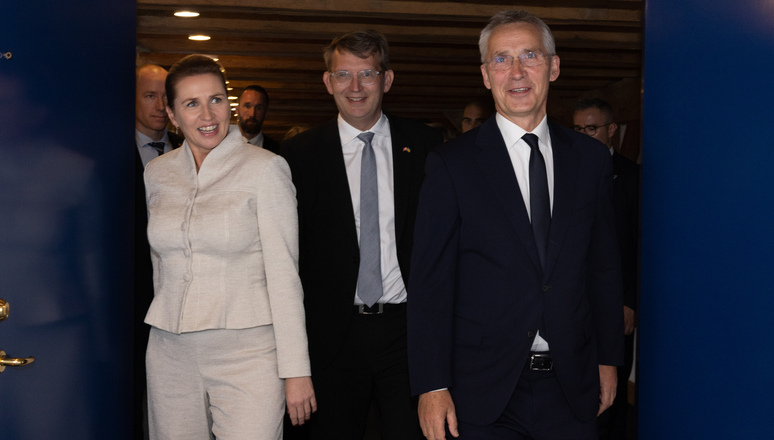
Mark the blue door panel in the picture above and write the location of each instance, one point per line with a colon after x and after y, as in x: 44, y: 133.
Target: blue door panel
x: 66, y: 223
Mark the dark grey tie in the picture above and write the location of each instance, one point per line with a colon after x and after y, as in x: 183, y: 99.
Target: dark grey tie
x: 158, y: 146
x: 539, y: 201
x: 369, y: 278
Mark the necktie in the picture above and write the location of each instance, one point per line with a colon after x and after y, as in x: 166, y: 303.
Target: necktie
x: 159, y: 146
x: 369, y: 278
x: 539, y: 202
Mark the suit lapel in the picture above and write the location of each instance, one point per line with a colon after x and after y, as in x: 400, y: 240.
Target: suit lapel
x: 497, y: 168
x: 402, y: 166
x: 565, y: 175
x: 333, y: 176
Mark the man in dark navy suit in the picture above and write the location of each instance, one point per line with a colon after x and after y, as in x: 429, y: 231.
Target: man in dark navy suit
x: 594, y: 117
x: 515, y: 324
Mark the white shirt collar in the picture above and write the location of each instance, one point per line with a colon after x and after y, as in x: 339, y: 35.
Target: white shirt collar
x: 347, y: 132
x: 257, y: 140
x: 512, y: 132
x: 142, y: 140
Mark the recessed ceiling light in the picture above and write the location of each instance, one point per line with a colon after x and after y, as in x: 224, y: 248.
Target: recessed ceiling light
x: 199, y: 37
x: 186, y: 14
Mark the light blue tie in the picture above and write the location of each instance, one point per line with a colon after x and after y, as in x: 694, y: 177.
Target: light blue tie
x: 369, y: 278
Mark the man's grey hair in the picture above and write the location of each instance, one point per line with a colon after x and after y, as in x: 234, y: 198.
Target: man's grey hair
x: 508, y: 17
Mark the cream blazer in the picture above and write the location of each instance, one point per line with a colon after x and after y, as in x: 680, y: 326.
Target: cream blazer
x: 224, y: 246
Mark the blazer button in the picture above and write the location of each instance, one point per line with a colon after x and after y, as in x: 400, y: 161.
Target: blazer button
x: 545, y: 288
x: 186, y: 277
x: 530, y: 334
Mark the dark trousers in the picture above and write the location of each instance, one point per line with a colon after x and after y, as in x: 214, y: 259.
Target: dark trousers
x: 372, y: 364
x: 537, y: 410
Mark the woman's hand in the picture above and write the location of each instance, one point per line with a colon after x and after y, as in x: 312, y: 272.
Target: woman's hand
x: 300, y: 400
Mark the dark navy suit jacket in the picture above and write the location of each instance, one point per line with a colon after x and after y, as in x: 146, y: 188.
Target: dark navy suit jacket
x: 478, y: 294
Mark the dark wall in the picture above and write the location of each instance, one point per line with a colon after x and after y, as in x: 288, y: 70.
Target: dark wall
x: 706, y: 331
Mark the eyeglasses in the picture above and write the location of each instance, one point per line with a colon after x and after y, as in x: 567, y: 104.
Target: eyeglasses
x: 529, y: 58
x: 590, y: 130
x: 366, y: 77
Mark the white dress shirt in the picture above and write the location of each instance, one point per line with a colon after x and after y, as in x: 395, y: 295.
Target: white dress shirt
x: 352, y: 149
x: 519, y: 151
x: 257, y: 141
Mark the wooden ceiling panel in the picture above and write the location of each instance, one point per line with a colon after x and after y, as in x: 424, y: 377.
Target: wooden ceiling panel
x: 433, y: 48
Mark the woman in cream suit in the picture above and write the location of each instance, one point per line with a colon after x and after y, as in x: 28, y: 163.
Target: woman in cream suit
x: 228, y: 342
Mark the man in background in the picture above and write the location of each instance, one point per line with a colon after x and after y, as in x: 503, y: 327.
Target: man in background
x: 594, y: 117
x: 151, y: 140
x: 150, y: 122
x: 252, y: 105
x: 476, y: 112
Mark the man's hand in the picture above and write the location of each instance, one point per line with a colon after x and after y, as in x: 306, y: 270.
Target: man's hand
x: 608, y: 382
x: 299, y: 398
x: 628, y: 321
x: 436, y: 409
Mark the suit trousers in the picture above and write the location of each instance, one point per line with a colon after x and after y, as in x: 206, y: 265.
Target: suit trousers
x: 372, y: 364
x: 537, y: 410
x: 221, y: 383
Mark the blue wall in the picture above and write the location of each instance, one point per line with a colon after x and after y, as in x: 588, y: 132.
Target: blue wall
x: 706, y: 332
x: 66, y: 217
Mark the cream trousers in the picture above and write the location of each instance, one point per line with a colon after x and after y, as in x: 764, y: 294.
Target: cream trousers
x: 221, y: 383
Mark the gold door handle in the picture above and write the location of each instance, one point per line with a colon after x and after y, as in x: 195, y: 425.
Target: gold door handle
x: 13, y: 362
x: 6, y: 361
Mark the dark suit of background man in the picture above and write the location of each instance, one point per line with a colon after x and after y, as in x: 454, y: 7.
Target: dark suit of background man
x: 151, y: 139
x: 252, y: 105
x: 595, y: 118
x: 509, y: 339
x: 358, y: 351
